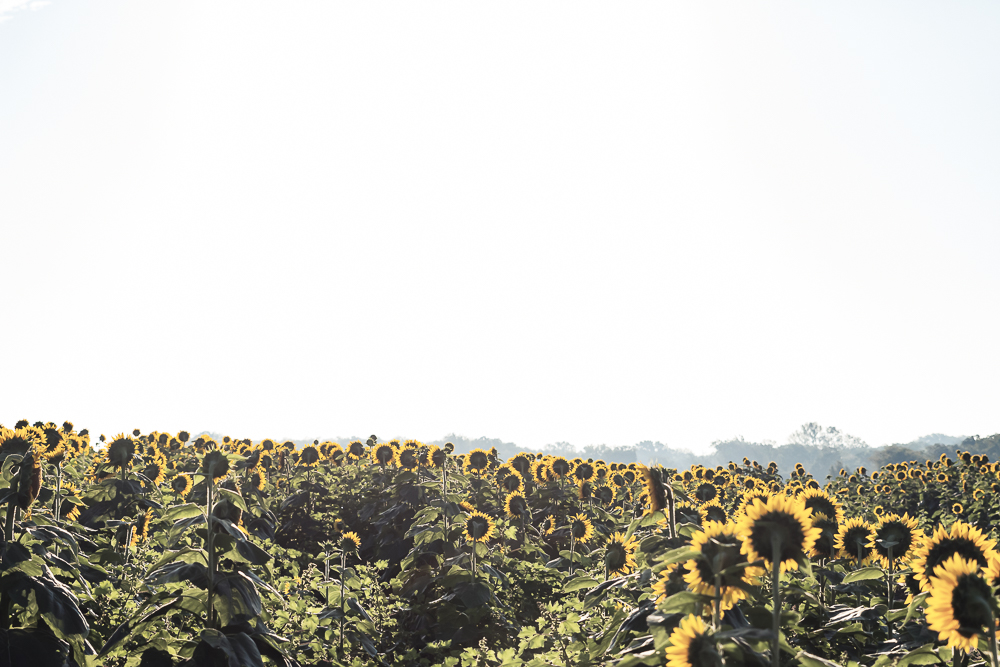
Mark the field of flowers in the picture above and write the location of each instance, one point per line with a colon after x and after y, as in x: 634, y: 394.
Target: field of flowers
x: 163, y: 549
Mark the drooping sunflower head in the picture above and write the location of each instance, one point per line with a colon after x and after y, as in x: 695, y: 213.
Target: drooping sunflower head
x: 825, y: 546
x: 140, y: 532
x: 853, y: 538
x: 961, y: 603
x: 515, y: 505
x: 619, y: 554
x: 257, y: 478
x: 960, y: 539
x: 477, y: 461
x: 181, y: 484
x: 215, y: 465
x: 539, y: 471
x: 691, y: 645
x: 581, y: 528
x: 653, y: 478
x: 479, y: 527
x: 820, y: 503
x: 898, y: 533
x: 721, y: 550
x: 782, y: 522
x: 550, y: 525
x: 438, y: 457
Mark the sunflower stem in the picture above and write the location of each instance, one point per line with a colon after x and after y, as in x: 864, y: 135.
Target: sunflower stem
x: 993, y: 639
x: 572, y: 548
x: 775, y: 597
x: 56, y: 503
x: 343, y: 613
x: 718, y: 602
x: 210, y: 546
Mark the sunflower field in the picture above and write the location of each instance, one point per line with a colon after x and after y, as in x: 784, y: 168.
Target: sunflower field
x: 161, y: 549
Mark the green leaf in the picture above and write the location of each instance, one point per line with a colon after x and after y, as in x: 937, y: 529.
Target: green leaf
x: 810, y: 660
x: 579, y: 583
x: 186, y: 511
x: 864, y: 574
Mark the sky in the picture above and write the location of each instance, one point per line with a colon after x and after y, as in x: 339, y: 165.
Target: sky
x: 548, y: 221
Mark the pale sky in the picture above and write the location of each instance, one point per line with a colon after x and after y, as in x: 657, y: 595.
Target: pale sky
x: 536, y: 221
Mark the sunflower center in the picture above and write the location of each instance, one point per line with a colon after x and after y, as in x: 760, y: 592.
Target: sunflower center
x: 857, y: 539
x: 477, y: 527
x: 896, y: 536
x: 947, y: 548
x: 720, y: 552
x: 970, y: 602
x: 791, y: 536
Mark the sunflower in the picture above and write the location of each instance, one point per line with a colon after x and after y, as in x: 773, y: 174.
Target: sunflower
x: 957, y: 509
x: 140, y: 532
x: 155, y: 471
x: 825, y: 546
x: 715, y: 512
x: 584, y: 472
x: 515, y: 504
x: 854, y: 535
x: 896, y: 532
x: 706, y: 492
x: 619, y: 554
x: 961, y: 603
x: 691, y: 645
x: 960, y: 538
x: 383, y: 454
x: 256, y: 478
x: 120, y: 451
x: 581, y: 528
x: 350, y: 542
x: 479, y: 527
x: 437, y: 456
x: 550, y: 525
x: 720, y: 547
x: 820, y: 503
x: 560, y: 467
x: 539, y: 471
x: 310, y: 456
x: 215, y: 464
x: 356, y: 450
x: 477, y: 461
x: 746, y: 500
x: 181, y: 484
x: 407, y: 457
x: 604, y: 493
x: 789, y: 519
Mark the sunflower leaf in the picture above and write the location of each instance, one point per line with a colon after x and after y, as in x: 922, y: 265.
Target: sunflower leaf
x: 864, y: 574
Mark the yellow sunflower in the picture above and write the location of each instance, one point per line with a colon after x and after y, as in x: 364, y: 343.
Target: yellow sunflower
x: 515, y: 505
x: 852, y: 539
x: 619, y: 554
x: 181, y: 484
x: 961, y: 603
x: 479, y: 527
x: 383, y: 454
x: 961, y: 539
x: 140, y: 532
x: 721, y: 550
x: 350, y: 541
x: 820, y: 503
x: 691, y: 645
x: 783, y: 516
x: 477, y: 461
x: 896, y: 532
x: 581, y: 528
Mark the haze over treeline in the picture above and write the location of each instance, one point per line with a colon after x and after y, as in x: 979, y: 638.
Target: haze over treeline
x: 822, y: 450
